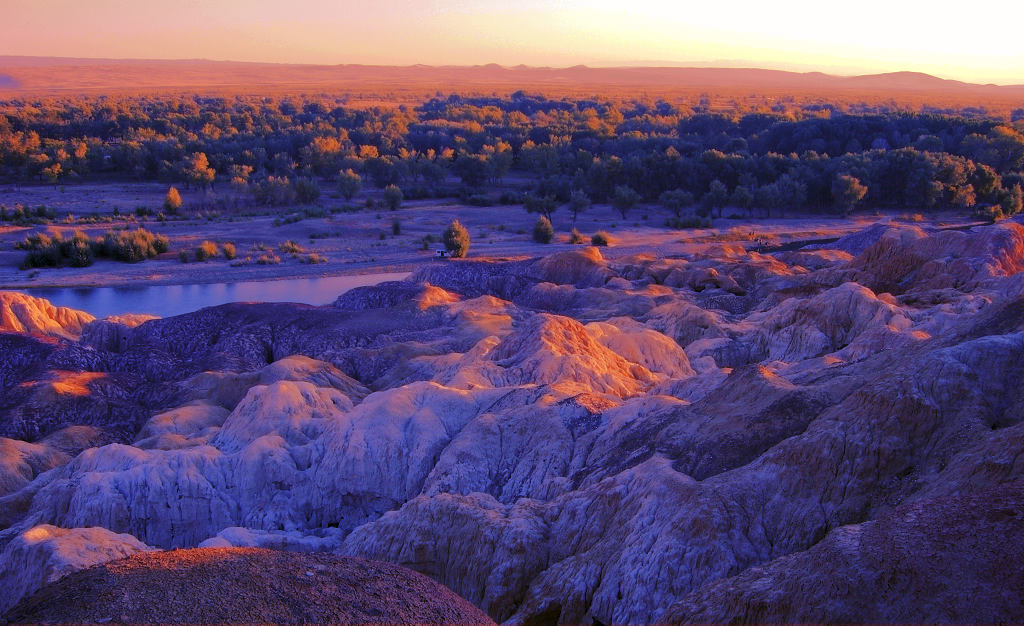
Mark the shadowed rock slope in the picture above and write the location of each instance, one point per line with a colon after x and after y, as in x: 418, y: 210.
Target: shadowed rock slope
x: 246, y: 585
x: 571, y: 438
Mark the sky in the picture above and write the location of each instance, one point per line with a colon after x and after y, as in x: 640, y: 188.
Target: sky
x: 980, y: 41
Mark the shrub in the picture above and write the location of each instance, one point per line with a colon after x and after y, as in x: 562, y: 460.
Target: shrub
x: 543, y: 232
x: 183, y: 256
x: 132, y: 246
x: 78, y: 250
x: 392, y: 197
x: 510, y: 197
x: 691, y: 221
x: 291, y: 247
x: 172, y: 202
x: 43, y: 250
x: 601, y: 238
x: 268, y: 259
x: 396, y: 227
x: 313, y: 258
x: 206, y: 250
x: 576, y: 237
x: 349, y: 183
x: 306, y: 190
x: 456, y: 239
x: 478, y: 199
x: 229, y: 251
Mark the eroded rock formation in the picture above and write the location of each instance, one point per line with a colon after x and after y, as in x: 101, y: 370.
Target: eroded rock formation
x: 575, y: 437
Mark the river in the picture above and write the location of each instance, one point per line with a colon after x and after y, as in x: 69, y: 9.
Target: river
x: 169, y: 300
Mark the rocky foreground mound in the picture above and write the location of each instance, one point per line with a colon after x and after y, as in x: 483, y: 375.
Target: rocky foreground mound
x: 812, y: 435
x: 246, y: 585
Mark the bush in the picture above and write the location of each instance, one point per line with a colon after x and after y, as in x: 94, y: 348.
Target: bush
x: 510, y: 197
x: 268, y: 259
x: 43, y: 250
x: 291, y: 247
x: 478, y: 199
x: 172, y: 202
x: 206, y: 250
x: 132, y: 246
x: 349, y: 183
x: 576, y: 237
x: 456, y: 239
x: 392, y: 197
x: 183, y: 256
x: 306, y: 190
x: 229, y: 251
x: 543, y: 232
x: 396, y: 227
x: 78, y: 250
x: 601, y: 238
x: 313, y: 258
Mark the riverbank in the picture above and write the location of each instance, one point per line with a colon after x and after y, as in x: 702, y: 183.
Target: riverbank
x: 344, y: 241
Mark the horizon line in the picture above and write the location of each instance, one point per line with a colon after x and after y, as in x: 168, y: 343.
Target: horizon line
x: 723, y: 64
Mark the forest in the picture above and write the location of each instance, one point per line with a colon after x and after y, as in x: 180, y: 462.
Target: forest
x: 777, y: 158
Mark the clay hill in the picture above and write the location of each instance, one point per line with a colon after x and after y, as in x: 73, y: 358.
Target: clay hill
x: 56, y: 74
x: 222, y: 585
x: 828, y: 434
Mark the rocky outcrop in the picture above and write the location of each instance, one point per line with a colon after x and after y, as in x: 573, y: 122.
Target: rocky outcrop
x: 581, y: 268
x: 950, y: 560
x: 570, y: 439
x: 394, y: 295
x: 20, y: 313
x: 44, y: 554
x: 252, y: 586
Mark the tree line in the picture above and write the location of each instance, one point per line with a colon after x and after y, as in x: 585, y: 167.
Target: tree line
x: 544, y: 153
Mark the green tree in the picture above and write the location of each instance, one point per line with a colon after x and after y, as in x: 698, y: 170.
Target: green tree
x: 393, y: 197
x: 543, y: 232
x: 172, y: 201
x: 847, y: 191
x: 545, y: 205
x: 349, y: 183
x: 716, y: 197
x: 624, y: 199
x: 1012, y: 200
x: 473, y: 169
x: 307, y: 190
x: 676, y: 200
x: 742, y: 197
x: 456, y: 239
x: 578, y: 203
x: 197, y: 170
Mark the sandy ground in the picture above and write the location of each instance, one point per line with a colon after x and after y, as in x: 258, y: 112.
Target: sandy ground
x: 354, y: 243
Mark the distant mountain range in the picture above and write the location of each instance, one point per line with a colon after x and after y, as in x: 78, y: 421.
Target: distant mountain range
x: 37, y: 74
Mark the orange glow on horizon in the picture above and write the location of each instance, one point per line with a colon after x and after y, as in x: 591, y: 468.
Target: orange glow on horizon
x: 979, y: 43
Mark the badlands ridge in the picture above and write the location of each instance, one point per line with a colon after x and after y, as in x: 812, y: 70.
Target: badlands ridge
x: 830, y: 434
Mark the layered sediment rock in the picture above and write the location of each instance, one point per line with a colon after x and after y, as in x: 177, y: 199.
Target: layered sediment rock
x: 575, y: 438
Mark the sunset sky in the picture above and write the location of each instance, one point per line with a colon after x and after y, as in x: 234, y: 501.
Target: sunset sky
x: 977, y: 41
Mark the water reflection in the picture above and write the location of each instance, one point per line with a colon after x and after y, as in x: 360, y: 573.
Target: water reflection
x: 168, y: 300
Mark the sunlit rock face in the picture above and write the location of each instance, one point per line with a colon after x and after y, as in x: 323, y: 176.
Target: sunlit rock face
x: 45, y: 553
x: 573, y: 438
x: 25, y: 314
x: 246, y: 585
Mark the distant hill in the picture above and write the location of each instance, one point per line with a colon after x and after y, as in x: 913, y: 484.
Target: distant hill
x: 54, y: 74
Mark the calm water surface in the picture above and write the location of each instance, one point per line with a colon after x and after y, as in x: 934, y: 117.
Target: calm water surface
x: 168, y: 300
